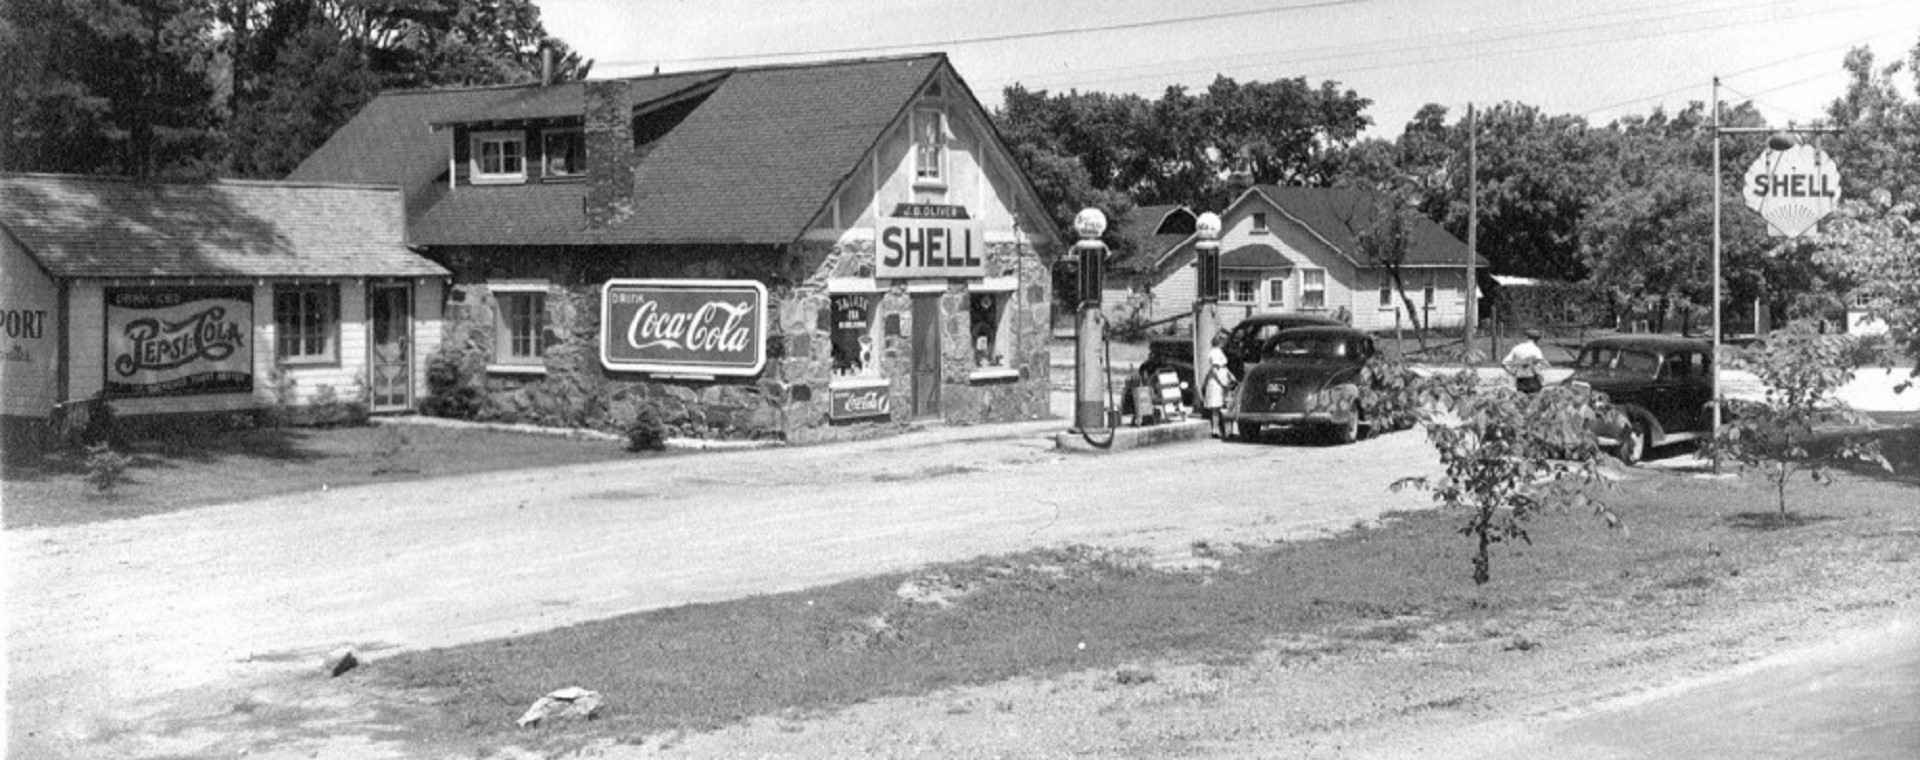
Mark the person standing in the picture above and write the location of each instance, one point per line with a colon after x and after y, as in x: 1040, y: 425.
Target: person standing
x: 1525, y: 363
x: 1219, y: 380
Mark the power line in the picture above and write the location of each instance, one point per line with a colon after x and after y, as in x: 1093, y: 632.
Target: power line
x: 1354, y: 50
x: 1479, y: 54
x: 1770, y: 64
x: 956, y: 42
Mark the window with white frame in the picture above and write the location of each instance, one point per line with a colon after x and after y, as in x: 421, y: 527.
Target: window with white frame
x: 306, y: 321
x: 1313, y: 288
x: 987, y: 323
x: 855, y: 335
x: 563, y: 152
x: 1277, y: 292
x: 1386, y: 292
x: 1237, y: 290
x: 1426, y: 296
x: 498, y: 157
x: 929, y: 146
x: 1260, y: 221
x: 519, y: 324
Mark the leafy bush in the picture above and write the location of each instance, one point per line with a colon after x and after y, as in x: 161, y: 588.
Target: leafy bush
x: 106, y: 468
x: 647, y: 432
x: 448, y: 394
x: 328, y: 408
x: 1802, y: 368
x: 1508, y: 456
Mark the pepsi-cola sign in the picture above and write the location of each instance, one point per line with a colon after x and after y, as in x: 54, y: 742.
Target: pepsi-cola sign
x: 684, y: 327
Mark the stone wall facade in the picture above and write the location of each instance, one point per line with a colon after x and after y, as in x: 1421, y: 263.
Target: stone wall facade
x: 791, y: 398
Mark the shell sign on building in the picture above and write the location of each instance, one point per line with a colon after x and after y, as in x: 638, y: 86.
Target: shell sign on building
x: 929, y: 240
x: 684, y: 327
x: 1792, y: 189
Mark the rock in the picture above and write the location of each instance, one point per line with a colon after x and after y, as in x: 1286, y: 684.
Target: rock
x: 571, y: 703
x: 339, y: 661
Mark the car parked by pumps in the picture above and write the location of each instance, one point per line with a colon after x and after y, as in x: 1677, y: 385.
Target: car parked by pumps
x: 1243, y: 344
x: 1306, y: 376
x: 1661, y: 384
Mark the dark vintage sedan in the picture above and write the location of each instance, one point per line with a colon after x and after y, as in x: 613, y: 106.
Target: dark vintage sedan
x: 1307, y: 376
x: 1661, y: 384
x: 1244, y: 340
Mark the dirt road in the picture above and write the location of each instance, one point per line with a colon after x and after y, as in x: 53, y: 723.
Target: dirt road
x: 125, y: 638
x: 118, y: 628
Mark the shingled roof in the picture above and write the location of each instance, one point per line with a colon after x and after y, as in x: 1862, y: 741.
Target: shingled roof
x: 1154, y: 230
x: 1335, y: 214
x: 754, y: 163
x: 111, y: 227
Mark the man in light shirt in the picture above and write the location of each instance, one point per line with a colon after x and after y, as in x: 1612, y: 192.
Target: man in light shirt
x: 1525, y: 363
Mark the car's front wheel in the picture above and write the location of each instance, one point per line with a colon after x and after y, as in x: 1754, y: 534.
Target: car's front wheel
x: 1347, y: 431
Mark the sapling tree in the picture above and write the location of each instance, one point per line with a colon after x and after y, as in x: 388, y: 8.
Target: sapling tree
x: 1802, y: 369
x: 1509, y: 456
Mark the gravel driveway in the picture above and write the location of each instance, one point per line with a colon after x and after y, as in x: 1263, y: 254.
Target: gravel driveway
x: 115, y: 627
x: 121, y: 632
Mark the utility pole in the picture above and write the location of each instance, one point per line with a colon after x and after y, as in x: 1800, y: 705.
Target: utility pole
x: 1473, y: 231
x: 1715, y: 121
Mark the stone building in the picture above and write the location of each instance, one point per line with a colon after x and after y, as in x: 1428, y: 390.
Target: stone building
x: 877, y: 255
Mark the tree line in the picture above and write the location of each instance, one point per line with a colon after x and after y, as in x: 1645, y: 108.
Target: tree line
x: 248, y: 88
x: 1624, y: 207
x: 236, y: 88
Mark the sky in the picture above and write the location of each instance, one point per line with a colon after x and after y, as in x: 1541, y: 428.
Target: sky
x: 1600, y: 59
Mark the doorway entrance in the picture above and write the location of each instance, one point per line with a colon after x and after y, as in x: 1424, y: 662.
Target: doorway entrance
x: 391, y: 363
x: 926, y: 355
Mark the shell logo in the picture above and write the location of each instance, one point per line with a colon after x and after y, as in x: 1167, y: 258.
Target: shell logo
x: 1792, y: 189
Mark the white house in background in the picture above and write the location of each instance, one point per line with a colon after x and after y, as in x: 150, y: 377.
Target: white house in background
x: 1859, y: 320
x: 1296, y: 250
x: 1133, y: 275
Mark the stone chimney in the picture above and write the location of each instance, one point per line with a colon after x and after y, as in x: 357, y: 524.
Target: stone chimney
x: 610, y: 154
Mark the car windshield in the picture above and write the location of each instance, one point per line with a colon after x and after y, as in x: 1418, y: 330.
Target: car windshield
x: 1320, y: 346
x: 1610, y: 358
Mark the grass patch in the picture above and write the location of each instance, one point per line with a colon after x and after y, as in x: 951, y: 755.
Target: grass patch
x: 1404, y: 582
x: 172, y: 474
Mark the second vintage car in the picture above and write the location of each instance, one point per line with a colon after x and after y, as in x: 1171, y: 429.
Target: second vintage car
x: 1661, y: 384
x: 1244, y: 340
x: 1306, y: 376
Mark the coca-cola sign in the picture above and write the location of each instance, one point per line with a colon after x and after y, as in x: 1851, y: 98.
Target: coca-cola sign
x: 179, y: 341
x: 862, y: 402
x: 684, y: 327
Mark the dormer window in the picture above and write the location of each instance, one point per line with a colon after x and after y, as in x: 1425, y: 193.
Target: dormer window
x: 929, y: 148
x: 564, y: 152
x: 499, y: 157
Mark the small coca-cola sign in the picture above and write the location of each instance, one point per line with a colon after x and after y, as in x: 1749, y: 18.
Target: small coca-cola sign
x: 684, y: 327
x: 861, y: 403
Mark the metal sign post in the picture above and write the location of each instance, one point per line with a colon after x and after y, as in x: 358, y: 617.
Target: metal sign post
x: 1780, y: 142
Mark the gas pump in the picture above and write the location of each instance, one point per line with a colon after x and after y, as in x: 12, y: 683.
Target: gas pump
x: 1089, y: 409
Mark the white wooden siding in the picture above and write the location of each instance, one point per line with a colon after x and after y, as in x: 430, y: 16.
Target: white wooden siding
x: 30, y: 339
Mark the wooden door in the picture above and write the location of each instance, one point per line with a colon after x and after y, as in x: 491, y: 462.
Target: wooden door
x: 926, y: 355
